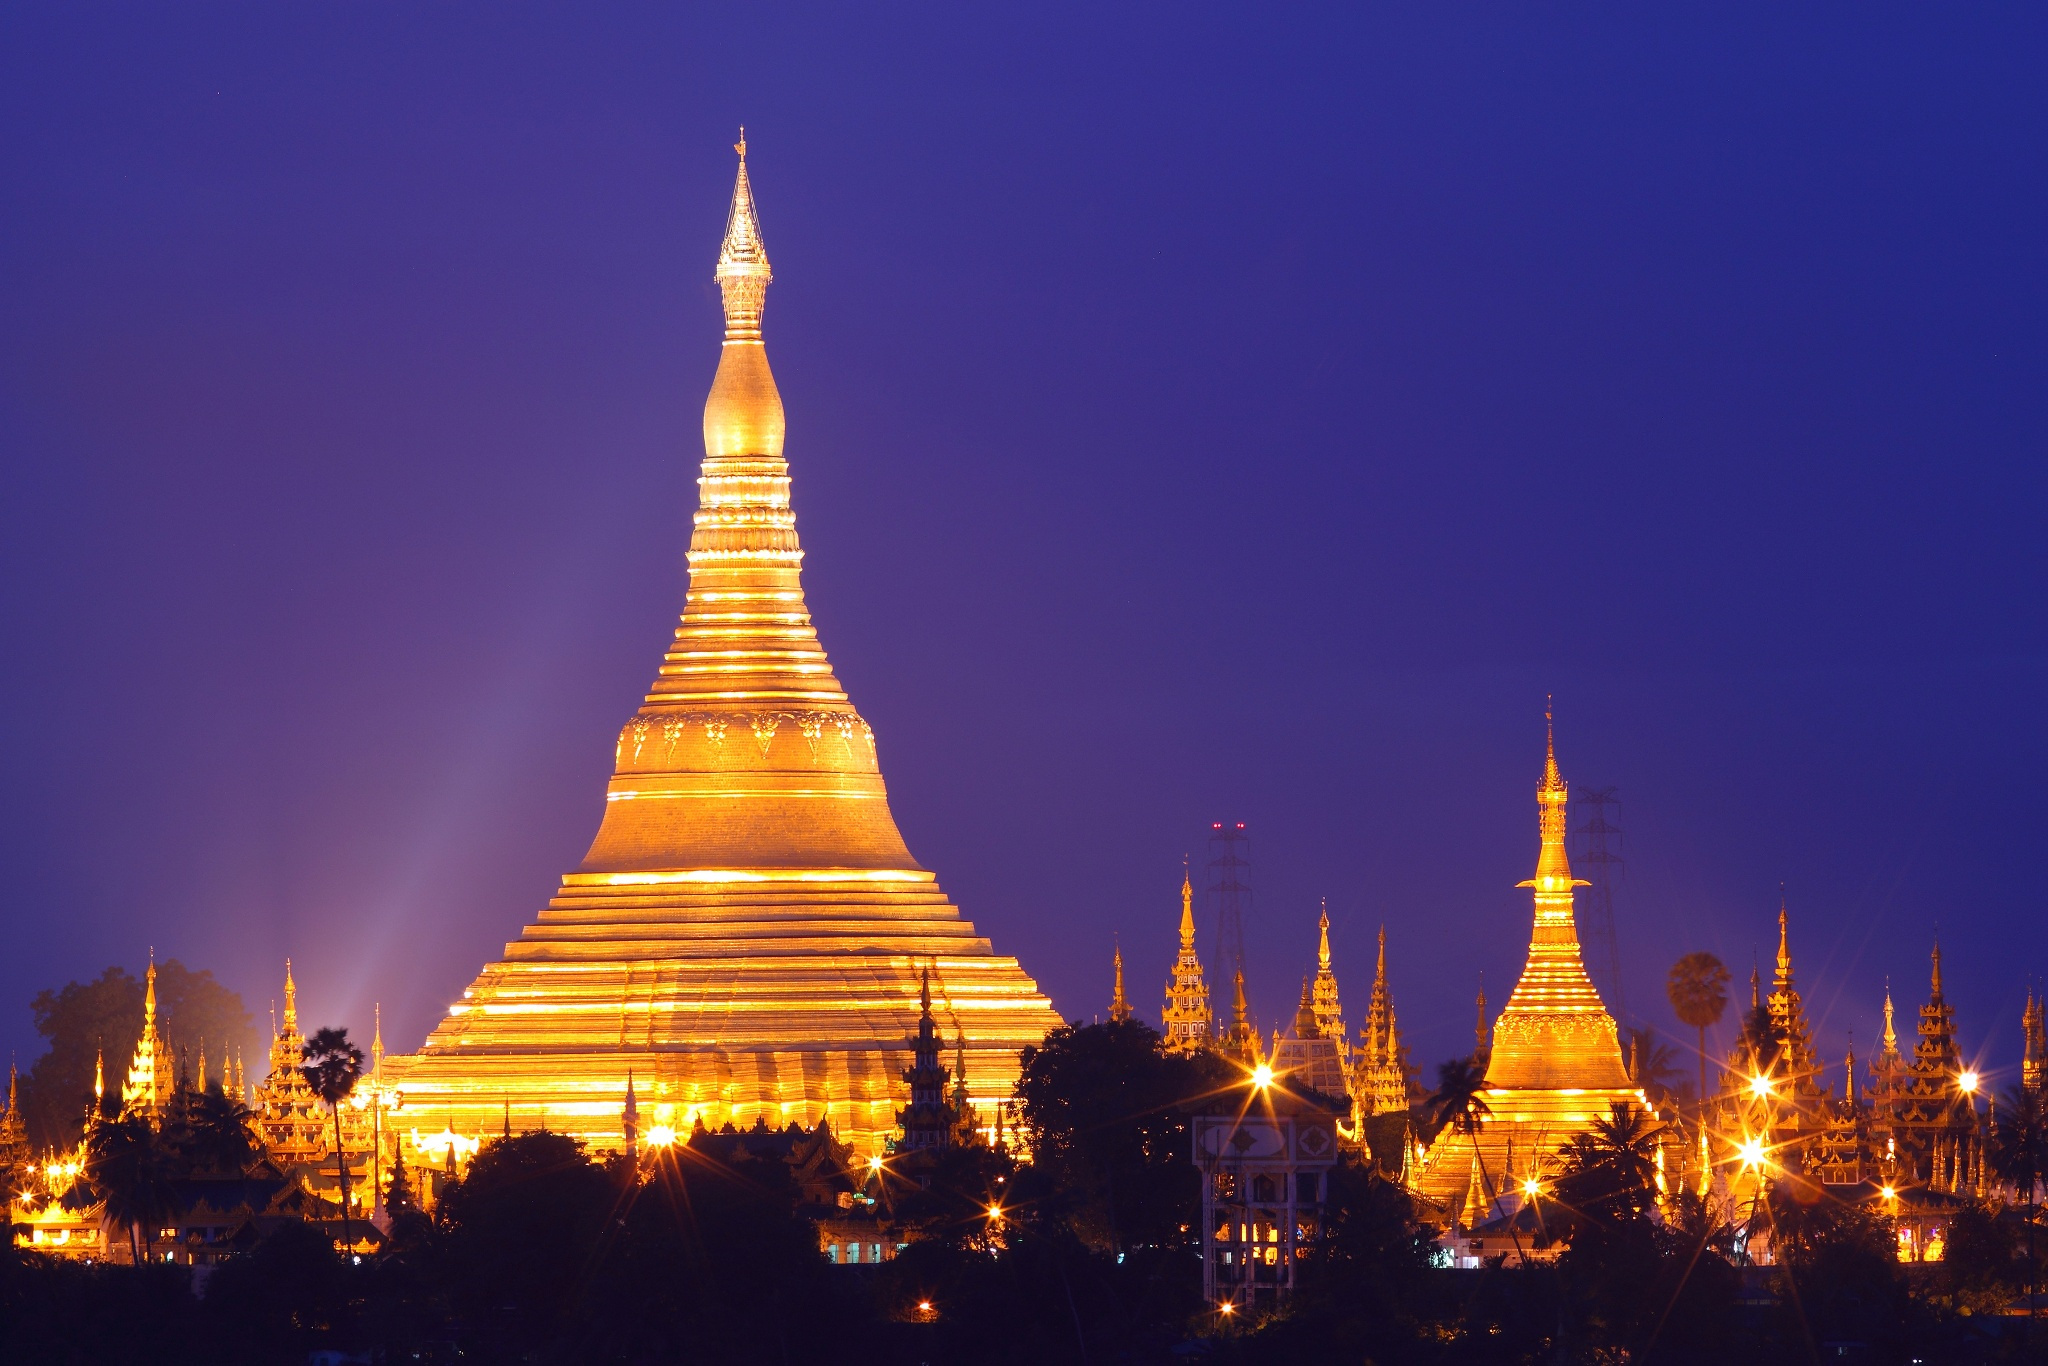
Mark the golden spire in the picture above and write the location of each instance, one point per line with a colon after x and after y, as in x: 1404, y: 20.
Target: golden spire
x: 99, y: 1076
x: 743, y: 275
x: 377, y: 1041
x: 202, y: 1064
x: 149, y: 997
x: 291, y: 1000
x: 1329, y: 1013
x: 1784, y: 939
x: 1185, y: 1019
x: 1937, y: 969
x: 1555, y: 1033
x: 1119, y: 1005
x: 1891, y: 1035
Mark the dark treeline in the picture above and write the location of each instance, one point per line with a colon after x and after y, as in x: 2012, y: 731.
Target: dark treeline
x: 702, y: 1252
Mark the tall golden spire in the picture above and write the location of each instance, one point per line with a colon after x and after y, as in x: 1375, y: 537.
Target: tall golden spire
x: 1554, y: 1031
x: 1186, y: 1019
x: 1379, y: 1081
x: 1119, y: 1004
x: 291, y: 1000
x: 1329, y: 1013
x: 151, y: 1075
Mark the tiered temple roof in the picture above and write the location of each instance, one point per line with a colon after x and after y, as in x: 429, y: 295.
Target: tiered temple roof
x: 747, y: 932
x: 1379, y: 1065
x: 1186, y: 1020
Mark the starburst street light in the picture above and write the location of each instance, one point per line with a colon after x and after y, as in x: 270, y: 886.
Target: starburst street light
x: 995, y: 1214
x: 1262, y: 1076
x: 1226, y: 1308
x: 1531, y: 1187
x: 1752, y: 1151
x: 661, y: 1136
x: 1968, y: 1082
x: 1760, y: 1086
x: 875, y: 1164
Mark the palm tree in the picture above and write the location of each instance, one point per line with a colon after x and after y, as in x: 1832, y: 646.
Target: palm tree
x: 1458, y: 1104
x: 333, y: 1066
x: 1698, y: 988
x: 1611, y: 1167
x: 129, y: 1169
x: 2018, y: 1152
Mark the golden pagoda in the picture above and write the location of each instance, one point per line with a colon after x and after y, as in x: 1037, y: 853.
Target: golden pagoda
x: 1555, y: 1064
x: 1185, y: 1019
x: 1379, y: 1064
x: 150, y: 1076
x: 1323, y: 997
x: 1119, y: 1004
x: 747, y: 933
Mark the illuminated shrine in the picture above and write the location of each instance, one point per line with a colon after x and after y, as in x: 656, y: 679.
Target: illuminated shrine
x: 1556, y: 1063
x: 748, y: 933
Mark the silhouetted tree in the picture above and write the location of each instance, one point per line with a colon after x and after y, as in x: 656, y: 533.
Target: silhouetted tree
x: 332, y: 1067
x: 1698, y: 991
x: 133, y: 1172
x: 1108, y: 1115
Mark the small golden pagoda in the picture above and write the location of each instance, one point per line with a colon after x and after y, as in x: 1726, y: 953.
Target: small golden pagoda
x: 1555, y: 1064
x: 1185, y: 1019
x: 1323, y: 997
x: 747, y: 933
x: 151, y: 1076
x: 1379, y: 1064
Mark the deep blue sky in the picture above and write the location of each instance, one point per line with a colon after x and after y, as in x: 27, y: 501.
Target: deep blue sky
x: 1195, y: 413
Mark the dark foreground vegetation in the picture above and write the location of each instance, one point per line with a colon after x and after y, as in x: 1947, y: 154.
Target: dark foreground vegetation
x: 704, y: 1253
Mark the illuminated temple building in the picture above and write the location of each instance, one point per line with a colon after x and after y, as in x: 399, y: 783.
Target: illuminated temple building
x: 1556, y: 1063
x: 748, y: 932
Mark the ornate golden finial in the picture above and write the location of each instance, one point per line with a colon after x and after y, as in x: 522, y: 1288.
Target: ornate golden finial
x: 1323, y: 944
x: 99, y: 1076
x: 291, y: 1000
x: 1784, y: 938
x: 1187, y: 908
x: 743, y: 275
x: 1119, y: 1005
x: 149, y: 993
x: 741, y: 145
x: 1937, y: 966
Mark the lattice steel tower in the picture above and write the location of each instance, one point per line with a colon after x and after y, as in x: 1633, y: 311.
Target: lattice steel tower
x: 1599, y: 856
x: 1229, y: 865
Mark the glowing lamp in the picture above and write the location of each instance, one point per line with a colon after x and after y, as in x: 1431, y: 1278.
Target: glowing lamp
x: 1888, y: 1193
x: 1760, y: 1086
x: 1262, y: 1076
x: 1968, y: 1081
x: 1226, y: 1308
x: 875, y: 1163
x: 661, y: 1136
x: 1532, y: 1187
x: 995, y: 1214
x: 924, y: 1306
x: 1752, y: 1151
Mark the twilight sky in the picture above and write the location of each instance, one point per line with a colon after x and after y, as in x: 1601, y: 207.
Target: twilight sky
x: 1195, y: 413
